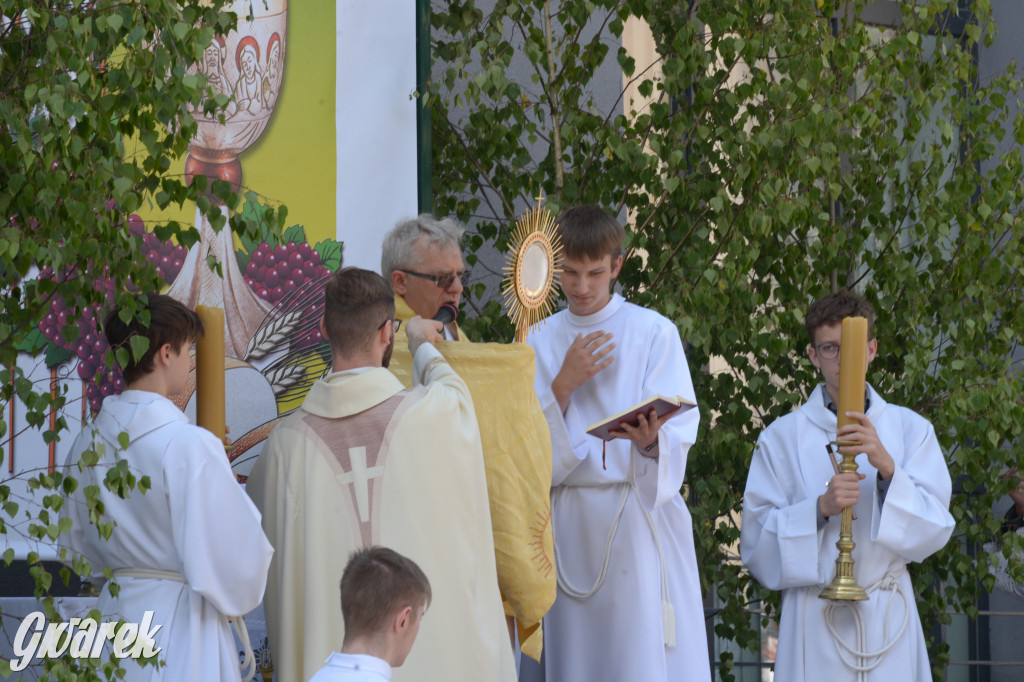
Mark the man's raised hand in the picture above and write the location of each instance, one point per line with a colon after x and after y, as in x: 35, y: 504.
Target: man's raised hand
x: 587, y: 356
x: 420, y: 331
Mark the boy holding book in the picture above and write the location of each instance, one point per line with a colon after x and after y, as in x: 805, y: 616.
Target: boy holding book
x: 629, y: 601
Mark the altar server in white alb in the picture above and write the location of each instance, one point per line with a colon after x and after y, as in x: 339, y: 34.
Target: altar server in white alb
x: 791, y: 514
x: 629, y: 599
x: 191, y: 549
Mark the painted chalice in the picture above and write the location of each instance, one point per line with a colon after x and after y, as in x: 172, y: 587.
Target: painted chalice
x: 248, y: 66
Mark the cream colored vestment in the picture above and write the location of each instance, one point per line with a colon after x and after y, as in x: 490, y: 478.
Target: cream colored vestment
x: 365, y: 461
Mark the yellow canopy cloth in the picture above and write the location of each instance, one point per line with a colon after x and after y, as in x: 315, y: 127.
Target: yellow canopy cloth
x: 517, y: 460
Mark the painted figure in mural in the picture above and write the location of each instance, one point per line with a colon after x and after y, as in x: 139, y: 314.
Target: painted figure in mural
x: 191, y: 549
x: 249, y: 88
x: 383, y: 598
x: 791, y: 514
x: 272, y: 79
x: 363, y: 462
x: 423, y: 258
x: 212, y: 65
x: 629, y: 603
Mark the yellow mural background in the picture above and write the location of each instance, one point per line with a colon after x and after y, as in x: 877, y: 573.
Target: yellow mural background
x: 293, y: 163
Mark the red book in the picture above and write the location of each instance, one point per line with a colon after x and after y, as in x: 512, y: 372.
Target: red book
x: 666, y: 407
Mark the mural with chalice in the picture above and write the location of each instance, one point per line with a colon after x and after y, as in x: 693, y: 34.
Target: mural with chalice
x: 270, y: 291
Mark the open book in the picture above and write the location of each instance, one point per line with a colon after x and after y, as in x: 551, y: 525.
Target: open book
x: 666, y: 408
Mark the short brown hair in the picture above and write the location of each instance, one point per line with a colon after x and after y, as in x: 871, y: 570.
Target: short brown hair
x: 157, y: 317
x: 356, y: 301
x: 831, y: 309
x: 588, y: 232
x: 376, y: 583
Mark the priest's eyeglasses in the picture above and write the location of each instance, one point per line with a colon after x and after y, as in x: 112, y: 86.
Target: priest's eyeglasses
x: 442, y: 281
x: 396, y: 325
x: 829, y: 351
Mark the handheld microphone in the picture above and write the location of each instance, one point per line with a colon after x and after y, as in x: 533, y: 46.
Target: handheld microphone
x: 446, y: 314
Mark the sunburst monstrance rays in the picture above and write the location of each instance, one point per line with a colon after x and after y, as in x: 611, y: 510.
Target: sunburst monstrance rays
x: 535, y: 258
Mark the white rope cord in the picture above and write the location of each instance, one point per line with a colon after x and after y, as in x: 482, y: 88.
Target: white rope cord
x: 889, y: 582
x: 149, y: 574
x: 667, y: 613
x: 668, y: 616
x: 563, y: 582
x: 248, y: 663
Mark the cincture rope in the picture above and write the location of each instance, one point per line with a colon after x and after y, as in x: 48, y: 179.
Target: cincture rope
x: 248, y: 663
x: 890, y: 582
x: 668, y: 618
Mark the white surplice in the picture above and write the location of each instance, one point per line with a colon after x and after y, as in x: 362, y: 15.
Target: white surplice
x: 617, y: 633
x: 784, y: 549
x: 195, y: 521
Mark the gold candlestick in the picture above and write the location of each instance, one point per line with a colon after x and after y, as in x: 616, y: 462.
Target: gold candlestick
x: 853, y: 366
x: 210, y: 372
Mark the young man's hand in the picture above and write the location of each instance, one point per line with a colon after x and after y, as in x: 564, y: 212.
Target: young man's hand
x: 644, y: 435
x: 843, y: 491
x: 420, y: 331
x: 585, y: 358
x: 863, y: 432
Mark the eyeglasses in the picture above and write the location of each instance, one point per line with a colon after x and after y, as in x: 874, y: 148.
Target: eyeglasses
x: 442, y: 281
x: 829, y: 351
x: 397, y: 325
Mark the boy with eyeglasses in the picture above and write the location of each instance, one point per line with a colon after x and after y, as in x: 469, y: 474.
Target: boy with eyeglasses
x: 791, y: 513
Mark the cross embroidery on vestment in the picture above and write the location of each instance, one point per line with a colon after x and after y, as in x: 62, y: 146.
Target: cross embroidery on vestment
x: 360, y: 477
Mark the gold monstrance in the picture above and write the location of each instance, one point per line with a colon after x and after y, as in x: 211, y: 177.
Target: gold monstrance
x: 853, y: 365
x: 533, y: 261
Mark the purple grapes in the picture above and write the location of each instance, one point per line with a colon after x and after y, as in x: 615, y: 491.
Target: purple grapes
x: 274, y: 273
x: 88, y: 344
x: 168, y: 257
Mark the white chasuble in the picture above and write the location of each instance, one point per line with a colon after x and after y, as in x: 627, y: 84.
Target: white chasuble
x: 367, y: 461
x: 877, y: 640
x: 353, y: 447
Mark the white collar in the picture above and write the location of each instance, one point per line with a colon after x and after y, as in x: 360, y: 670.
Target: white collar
x: 360, y: 662
x: 815, y: 410
x: 610, y: 308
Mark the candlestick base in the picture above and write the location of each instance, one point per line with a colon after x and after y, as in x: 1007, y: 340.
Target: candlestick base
x: 844, y: 588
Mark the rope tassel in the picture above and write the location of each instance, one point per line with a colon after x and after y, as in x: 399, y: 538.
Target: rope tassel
x: 668, y: 624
